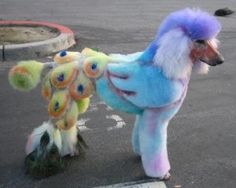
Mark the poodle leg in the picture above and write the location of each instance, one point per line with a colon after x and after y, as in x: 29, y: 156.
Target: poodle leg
x: 153, y: 145
x: 135, y: 136
x: 69, y: 141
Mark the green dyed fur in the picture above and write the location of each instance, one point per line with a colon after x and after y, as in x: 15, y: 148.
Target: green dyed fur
x: 83, y: 105
x: 26, y: 82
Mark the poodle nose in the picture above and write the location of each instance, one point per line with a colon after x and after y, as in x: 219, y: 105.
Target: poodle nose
x: 220, y: 60
x: 217, y: 61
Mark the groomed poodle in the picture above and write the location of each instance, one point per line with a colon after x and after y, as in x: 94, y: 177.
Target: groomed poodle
x: 151, y: 84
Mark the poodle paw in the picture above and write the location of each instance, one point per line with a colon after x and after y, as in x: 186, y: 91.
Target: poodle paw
x: 166, y: 177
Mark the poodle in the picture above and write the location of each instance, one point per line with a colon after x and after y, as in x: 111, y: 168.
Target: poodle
x: 151, y: 84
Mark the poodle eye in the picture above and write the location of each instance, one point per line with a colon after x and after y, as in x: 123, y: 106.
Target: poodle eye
x: 200, y: 41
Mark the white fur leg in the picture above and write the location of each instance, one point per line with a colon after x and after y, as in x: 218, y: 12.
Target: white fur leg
x: 34, y: 139
x: 69, y: 141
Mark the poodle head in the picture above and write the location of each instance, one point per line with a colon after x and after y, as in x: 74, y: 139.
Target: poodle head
x: 187, y: 41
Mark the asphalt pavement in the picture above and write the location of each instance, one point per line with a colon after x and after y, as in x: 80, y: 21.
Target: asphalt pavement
x: 201, y: 138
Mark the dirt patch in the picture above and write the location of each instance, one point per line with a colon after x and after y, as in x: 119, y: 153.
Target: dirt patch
x: 25, y: 34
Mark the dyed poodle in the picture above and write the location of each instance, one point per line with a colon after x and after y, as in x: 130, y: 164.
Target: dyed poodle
x: 151, y: 84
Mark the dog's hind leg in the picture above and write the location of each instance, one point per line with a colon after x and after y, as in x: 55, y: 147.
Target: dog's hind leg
x: 69, y: 141
x: 135, y: 136
x: 72, y: 142
x: 153, y: 145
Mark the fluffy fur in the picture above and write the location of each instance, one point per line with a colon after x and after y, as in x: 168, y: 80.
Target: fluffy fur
x: 26, y: 75
x: 34, y: 139
x: 195, y: 23
x: 174, y: 47
x: 151, y: 84
x: 69, y: 141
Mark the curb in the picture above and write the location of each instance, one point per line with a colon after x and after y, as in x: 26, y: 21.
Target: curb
x: 37, y: 49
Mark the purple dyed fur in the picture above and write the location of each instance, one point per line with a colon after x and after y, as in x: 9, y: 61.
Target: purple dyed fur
x: 196, y: 24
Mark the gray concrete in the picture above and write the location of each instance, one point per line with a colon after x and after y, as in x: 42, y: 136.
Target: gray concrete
x: 38, y: 49
x: 202, y: 136
x: 63, y: 39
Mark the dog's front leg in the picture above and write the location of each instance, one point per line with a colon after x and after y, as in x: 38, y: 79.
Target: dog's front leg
x: 153, y: 144
x: 135, y: 135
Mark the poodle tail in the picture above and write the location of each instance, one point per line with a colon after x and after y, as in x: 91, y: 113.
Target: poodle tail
x: 45, y: 134
x: 47, y: 145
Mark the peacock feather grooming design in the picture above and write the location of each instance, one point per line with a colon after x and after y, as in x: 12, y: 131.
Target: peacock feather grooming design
x: 67, y: 85
x: 151, y: 84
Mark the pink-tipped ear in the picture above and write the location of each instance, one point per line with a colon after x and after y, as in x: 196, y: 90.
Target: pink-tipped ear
x: 200, y: 68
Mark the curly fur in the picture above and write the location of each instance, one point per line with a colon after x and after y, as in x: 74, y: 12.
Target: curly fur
x: 153, y: 84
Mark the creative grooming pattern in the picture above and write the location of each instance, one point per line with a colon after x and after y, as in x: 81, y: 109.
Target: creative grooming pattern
x: 151, y: 84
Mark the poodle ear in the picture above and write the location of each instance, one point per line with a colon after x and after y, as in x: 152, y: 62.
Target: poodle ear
x: 172, y: 55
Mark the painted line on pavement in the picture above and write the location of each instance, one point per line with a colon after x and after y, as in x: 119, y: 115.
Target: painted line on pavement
x: 81, y: 124
x: 119, y: 122
x: 137, y: 184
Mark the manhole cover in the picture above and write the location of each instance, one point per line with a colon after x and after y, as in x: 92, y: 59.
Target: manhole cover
x: 10, y: 34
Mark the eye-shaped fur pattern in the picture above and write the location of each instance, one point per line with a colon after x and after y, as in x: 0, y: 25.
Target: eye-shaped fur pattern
x: 70, y: 117
x: 94, y: 66
x: 81, y: 88
x: 58, y: 104
x: 46, y: 90
x: 62, y: 75
x: 92, y: 69
x: 66, y: 57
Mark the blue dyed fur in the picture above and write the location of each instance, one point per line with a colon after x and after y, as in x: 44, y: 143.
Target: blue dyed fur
x: 153, y: 84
